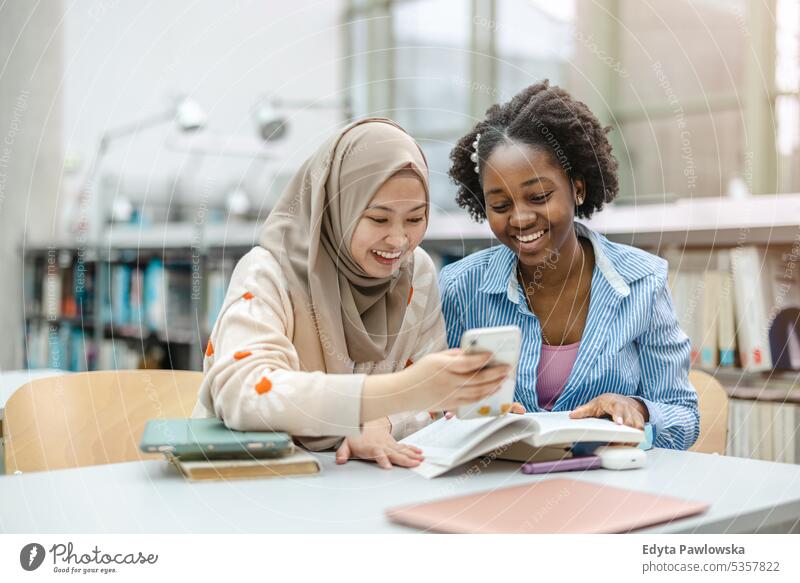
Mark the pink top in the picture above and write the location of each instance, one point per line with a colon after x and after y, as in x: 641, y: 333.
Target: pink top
x: 554, y: 368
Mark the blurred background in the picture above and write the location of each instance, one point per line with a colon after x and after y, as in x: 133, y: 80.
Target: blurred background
x: 142, y: 145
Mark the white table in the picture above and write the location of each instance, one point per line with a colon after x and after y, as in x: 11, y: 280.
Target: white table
x: 745, y: 495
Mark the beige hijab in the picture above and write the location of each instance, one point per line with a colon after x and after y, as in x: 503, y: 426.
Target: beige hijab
x: 342, y: 316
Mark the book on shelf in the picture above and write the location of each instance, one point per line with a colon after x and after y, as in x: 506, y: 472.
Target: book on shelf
x: 790, y: 430
x: 448, y: 443
x: 120, y: 294
x: 215, y: 290
x: 687, y: 280
x: 117, y: 354
x: 60, y: 345
x: 751, y: 310
x: 51, y: 293
x: 726, y: 332
x: 58, y: 292
x: 168, y: 299
x: 80, y: 350
x: 741, y: 302
x: 178, y: 312
x: 153, y: 294
x: 136, y: 296
x: 767, y: 429
x: 710, y: 350
x: 32, y: 275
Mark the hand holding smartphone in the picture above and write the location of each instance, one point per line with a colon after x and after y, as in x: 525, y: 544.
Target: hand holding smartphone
x: 504, y: 343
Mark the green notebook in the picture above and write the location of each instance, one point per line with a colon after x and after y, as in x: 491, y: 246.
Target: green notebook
x: 199, y: 439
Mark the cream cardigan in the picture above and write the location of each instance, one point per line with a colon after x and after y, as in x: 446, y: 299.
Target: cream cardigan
x: 253, y: 378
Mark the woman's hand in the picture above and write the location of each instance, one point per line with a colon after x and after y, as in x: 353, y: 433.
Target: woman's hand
x: 623, y: 410
x: 377, y: 444
x: 451, y: 378
x: 440, y: 381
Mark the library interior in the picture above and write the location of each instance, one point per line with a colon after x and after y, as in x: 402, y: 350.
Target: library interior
x: 143, y: 148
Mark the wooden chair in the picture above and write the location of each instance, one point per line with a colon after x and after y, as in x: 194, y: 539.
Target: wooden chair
x: 91, y: 418
x: 713, y: 404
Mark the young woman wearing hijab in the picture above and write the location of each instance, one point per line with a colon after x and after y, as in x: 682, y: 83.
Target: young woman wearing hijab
x: 330, y: 327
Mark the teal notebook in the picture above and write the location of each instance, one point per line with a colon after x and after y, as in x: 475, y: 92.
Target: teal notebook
x: 199, y: 439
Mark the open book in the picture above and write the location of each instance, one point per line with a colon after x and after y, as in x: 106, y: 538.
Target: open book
x: 447, y: 443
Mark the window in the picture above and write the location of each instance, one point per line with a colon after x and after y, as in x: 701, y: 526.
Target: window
x: 679, y: 82
x: 534, y: 41
x: 680, y: 123
x: 432, y: 65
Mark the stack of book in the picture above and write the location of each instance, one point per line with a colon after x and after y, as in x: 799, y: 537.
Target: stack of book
x: 204, y: 449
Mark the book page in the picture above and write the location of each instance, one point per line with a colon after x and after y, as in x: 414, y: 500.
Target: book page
x: 558, y: 428
x: 447, y: 441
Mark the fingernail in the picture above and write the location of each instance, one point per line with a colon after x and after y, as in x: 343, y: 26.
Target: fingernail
x: 619, y: 420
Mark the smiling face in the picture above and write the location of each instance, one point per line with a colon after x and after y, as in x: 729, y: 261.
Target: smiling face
x: 391, y: 226
x: 530, y: 201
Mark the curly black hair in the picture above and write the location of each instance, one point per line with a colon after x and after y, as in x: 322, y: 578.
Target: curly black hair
x: 542, y: 116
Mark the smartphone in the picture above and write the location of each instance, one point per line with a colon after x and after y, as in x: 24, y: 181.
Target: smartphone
x: 504, y: 344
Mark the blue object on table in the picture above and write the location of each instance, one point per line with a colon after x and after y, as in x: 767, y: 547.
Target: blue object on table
x: 648, y: 437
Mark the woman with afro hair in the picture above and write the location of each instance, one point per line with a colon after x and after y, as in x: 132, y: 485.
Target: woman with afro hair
x: 600, y: 334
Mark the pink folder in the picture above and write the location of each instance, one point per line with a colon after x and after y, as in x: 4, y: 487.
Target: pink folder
x: 548, y: 506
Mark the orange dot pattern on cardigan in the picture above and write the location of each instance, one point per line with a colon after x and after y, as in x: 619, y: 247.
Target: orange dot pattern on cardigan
x: 263, y: 386
x: 241, y: 354
x: 410, y: 294
x: 247, y: 296
x: 210, y: 349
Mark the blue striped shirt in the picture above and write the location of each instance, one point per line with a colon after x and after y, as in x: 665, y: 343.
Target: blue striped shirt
x: 632, y: 343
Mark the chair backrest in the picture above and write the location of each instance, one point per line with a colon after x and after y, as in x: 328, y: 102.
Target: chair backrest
x: 91, y: 418
x: 713, y: 404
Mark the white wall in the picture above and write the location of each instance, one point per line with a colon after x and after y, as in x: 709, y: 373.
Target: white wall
x: 30, y: 148
x: 123, y: 61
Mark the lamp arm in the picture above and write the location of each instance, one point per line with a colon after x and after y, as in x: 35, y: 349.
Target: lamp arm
x: 88, y: 188
x: 133, y: 127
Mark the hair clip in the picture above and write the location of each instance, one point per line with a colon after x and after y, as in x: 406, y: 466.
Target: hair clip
x: 474, y: 155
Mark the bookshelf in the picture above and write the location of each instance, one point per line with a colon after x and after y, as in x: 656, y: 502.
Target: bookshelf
x: 174, y: 333
x: 704, y: 222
